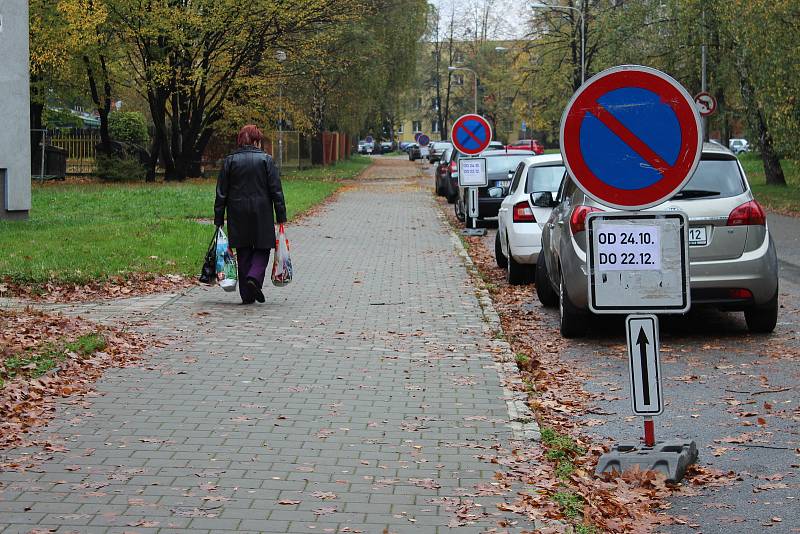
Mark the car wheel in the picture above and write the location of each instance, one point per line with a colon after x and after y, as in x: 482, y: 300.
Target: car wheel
x: 572, y: 323
x: 544, y: 290
x: 451, y: 196
x: 499, y: 258
x: 458, y: 211
x: 762, y: 319
x: 516, y: 273
x: 439, y: 188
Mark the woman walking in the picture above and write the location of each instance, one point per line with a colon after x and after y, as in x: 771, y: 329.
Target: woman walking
x: 249, y: 187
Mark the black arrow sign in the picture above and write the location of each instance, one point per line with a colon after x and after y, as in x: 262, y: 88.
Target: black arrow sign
x: 642, y: 341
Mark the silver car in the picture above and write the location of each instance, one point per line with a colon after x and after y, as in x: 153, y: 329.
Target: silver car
x: 732, y: 255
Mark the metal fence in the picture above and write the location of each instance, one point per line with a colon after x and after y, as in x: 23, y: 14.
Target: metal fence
x: 295, y: 152
x: 81, y: 144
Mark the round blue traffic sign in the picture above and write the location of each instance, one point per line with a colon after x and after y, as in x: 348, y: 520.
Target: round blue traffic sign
x: 369, y: 139
x: 423, y: 140
x: 471, y: 134
x: 631, y: 137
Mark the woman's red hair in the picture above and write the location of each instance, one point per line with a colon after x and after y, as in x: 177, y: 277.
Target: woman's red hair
x: 249, y: 135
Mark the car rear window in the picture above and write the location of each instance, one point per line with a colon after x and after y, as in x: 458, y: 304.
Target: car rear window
x: 496, y: 164
x: 717, y: 177
x: 544, y: 178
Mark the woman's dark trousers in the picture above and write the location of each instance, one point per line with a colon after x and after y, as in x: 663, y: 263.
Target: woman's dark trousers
x: 253, y: 263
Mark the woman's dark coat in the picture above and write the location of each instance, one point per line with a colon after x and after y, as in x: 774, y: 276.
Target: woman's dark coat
x: 249, y: 187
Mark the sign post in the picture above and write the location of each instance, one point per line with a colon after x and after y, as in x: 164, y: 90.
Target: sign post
x: 631, y: 138
x: 471, y: 135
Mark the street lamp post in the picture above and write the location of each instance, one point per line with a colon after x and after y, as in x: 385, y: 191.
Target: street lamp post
x: 542, y: 5
x: 280, y: 55
x: 474, y: 86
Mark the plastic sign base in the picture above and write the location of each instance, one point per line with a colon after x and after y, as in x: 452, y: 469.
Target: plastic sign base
x: 669, y: 457
x: 473, y: 232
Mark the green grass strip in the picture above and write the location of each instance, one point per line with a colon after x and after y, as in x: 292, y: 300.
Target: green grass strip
x: 91, y: 232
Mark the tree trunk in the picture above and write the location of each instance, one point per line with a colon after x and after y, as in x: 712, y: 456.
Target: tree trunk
x: 102, y: 103
x: 155, y: 150
x: 772, y: 163
x: 161, y: 146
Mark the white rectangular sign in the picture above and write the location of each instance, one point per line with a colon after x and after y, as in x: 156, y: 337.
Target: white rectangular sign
x: 472, y: 172
x: 624, y: 248
x: 473, y: 208
x: 645, y: 364
x: 638, y: 262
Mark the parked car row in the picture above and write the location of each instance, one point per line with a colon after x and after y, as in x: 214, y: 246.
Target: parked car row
x: 369, y: 147
x: 541, y: 232
x: 733, y: 263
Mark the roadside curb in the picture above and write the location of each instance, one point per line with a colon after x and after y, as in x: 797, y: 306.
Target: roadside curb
x: 521, y: 419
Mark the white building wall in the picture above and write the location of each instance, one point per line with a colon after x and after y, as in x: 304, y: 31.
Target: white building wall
x: 15, y: 149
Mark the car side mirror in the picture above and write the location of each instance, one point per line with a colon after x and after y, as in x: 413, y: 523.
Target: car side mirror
x: 496, y: 192
x: 543, y: 199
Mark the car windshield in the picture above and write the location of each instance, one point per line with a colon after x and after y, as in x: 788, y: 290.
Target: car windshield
x: 504, y: 163
x: 544, y: 178
x: 714, y: 178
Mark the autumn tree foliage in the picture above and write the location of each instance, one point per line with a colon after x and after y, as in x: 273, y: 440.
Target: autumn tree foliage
x: 199, y: 65
x: 751, y: 67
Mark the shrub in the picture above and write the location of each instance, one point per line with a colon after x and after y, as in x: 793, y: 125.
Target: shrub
x: 61, y: 118
x: 120, y: 169
x: 129, y: 127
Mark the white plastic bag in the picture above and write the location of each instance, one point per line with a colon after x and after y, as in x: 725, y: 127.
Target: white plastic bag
x: 282, y: 264
x: 226, y: 263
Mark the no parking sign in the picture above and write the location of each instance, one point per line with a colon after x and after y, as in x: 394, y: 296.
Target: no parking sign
x: 631, y: 137
x: 471, y: 134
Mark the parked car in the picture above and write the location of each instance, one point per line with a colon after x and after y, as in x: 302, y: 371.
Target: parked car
x: 500, y: 167
x: 519, y: 222
x: 451, y: 177
x: 738, y: 146
x: 404, y: 146
x: 365, y: 148
x: 435, y: 150
x: 495, y: 145
x: 733, y: 264
x: 527, y: 144
x: 440, y: 172
x: 414, y: 152
x: 387, y: 146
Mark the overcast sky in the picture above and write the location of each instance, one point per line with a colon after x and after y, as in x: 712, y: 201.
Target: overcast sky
x: 512, y: 11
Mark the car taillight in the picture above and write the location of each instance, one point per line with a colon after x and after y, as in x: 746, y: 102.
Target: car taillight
x: 577, y: 222
x: 523, y: 212
x: 453, y: 166
x: 749, y: 213
x: 740, y: 294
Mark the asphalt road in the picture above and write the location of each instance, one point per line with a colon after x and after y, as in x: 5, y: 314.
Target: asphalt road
x: 733, y: 393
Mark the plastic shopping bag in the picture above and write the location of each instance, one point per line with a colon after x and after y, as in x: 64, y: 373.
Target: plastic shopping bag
x: 282, y: 265
x: 226, y: 263
x: 208, y: 273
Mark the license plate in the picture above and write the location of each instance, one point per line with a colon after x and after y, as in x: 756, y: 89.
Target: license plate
x: 503, y: 183
x: 697, y: 236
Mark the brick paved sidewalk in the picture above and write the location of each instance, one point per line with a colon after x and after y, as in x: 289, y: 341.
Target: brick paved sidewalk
x: 355, y: 400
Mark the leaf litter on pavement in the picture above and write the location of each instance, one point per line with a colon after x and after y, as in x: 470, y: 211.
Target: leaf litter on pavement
x: 44, y: 357
x: 131, y: 285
